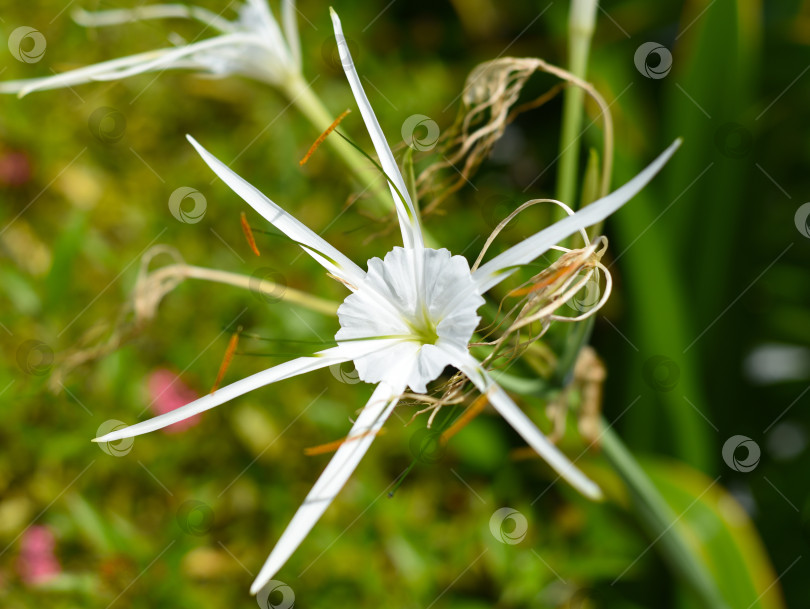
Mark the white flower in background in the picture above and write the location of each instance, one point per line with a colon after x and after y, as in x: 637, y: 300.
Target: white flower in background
x: 252, y: 45
x: 411, y: 314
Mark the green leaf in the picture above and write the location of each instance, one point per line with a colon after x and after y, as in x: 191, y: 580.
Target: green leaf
x: 718, y: 530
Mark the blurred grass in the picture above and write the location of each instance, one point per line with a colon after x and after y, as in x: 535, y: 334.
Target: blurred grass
x: 70, y: 260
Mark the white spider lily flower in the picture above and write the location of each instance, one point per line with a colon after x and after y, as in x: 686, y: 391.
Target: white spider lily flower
x: 410, y: 315
x: 252, y: 45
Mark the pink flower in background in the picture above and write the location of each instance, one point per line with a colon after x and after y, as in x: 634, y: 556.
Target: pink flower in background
x: 37, y: 563
x: 167, y: 392
x: 15, y: 168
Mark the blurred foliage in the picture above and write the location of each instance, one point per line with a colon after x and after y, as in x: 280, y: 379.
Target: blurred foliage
x: 709, y: 266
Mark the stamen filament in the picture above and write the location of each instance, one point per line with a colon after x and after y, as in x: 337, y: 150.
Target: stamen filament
x: 226, y: 360
x: 323, y: 136
x: 248, y: 233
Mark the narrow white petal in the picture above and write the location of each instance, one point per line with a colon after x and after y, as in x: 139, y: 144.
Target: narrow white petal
x: 271, y: 31
x: 340, y: 468
x: 283, y: 371
x: 522, y: 424
x: 153, y: 11
x: 327, y: 255
x: 78, y: 76
x: 504, y: 264
x: 408, y: 218
x: 171, y: 56
x: 289, y: 22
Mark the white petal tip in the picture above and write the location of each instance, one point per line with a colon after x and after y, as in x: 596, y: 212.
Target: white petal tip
x: 114, y: 436
x: 594, y: 493
x: 260, y: 582
x: 335, y: 21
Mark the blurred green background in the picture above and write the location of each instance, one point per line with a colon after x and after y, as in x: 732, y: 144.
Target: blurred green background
x: 705, y: 338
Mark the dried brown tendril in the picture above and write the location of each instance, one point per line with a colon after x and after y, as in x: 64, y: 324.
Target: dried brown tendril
x: 489, y: 103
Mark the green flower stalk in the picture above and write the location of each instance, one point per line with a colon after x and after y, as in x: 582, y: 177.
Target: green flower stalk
x: 581, y: 23
x: 253, y: 45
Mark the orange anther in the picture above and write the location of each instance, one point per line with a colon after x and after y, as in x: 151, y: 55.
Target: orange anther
x: 322, y: 137
x: 248, y: 233
x: 226, y: 361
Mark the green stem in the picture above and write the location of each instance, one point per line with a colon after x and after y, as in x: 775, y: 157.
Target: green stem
x: 580, y: 31
x: 661, y: 522
x: 280, y: 292
x: 311, y: 106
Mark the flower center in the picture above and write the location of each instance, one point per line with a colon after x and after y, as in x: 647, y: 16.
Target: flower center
x: 425, y: 331
x: 411, y: 309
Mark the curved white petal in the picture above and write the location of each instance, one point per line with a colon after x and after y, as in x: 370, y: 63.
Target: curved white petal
x: 325, y: 358
x: 408, y: 218
x: 504, y: 264
x: 290, y: 24
x: 78, y: 76
x: 327, y: 255
x: 342, y: 465
x: 153, y: 11
x: 260, y: 10
x: 172, y: 56
x: 522, y: 424
x: 427, y: 315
